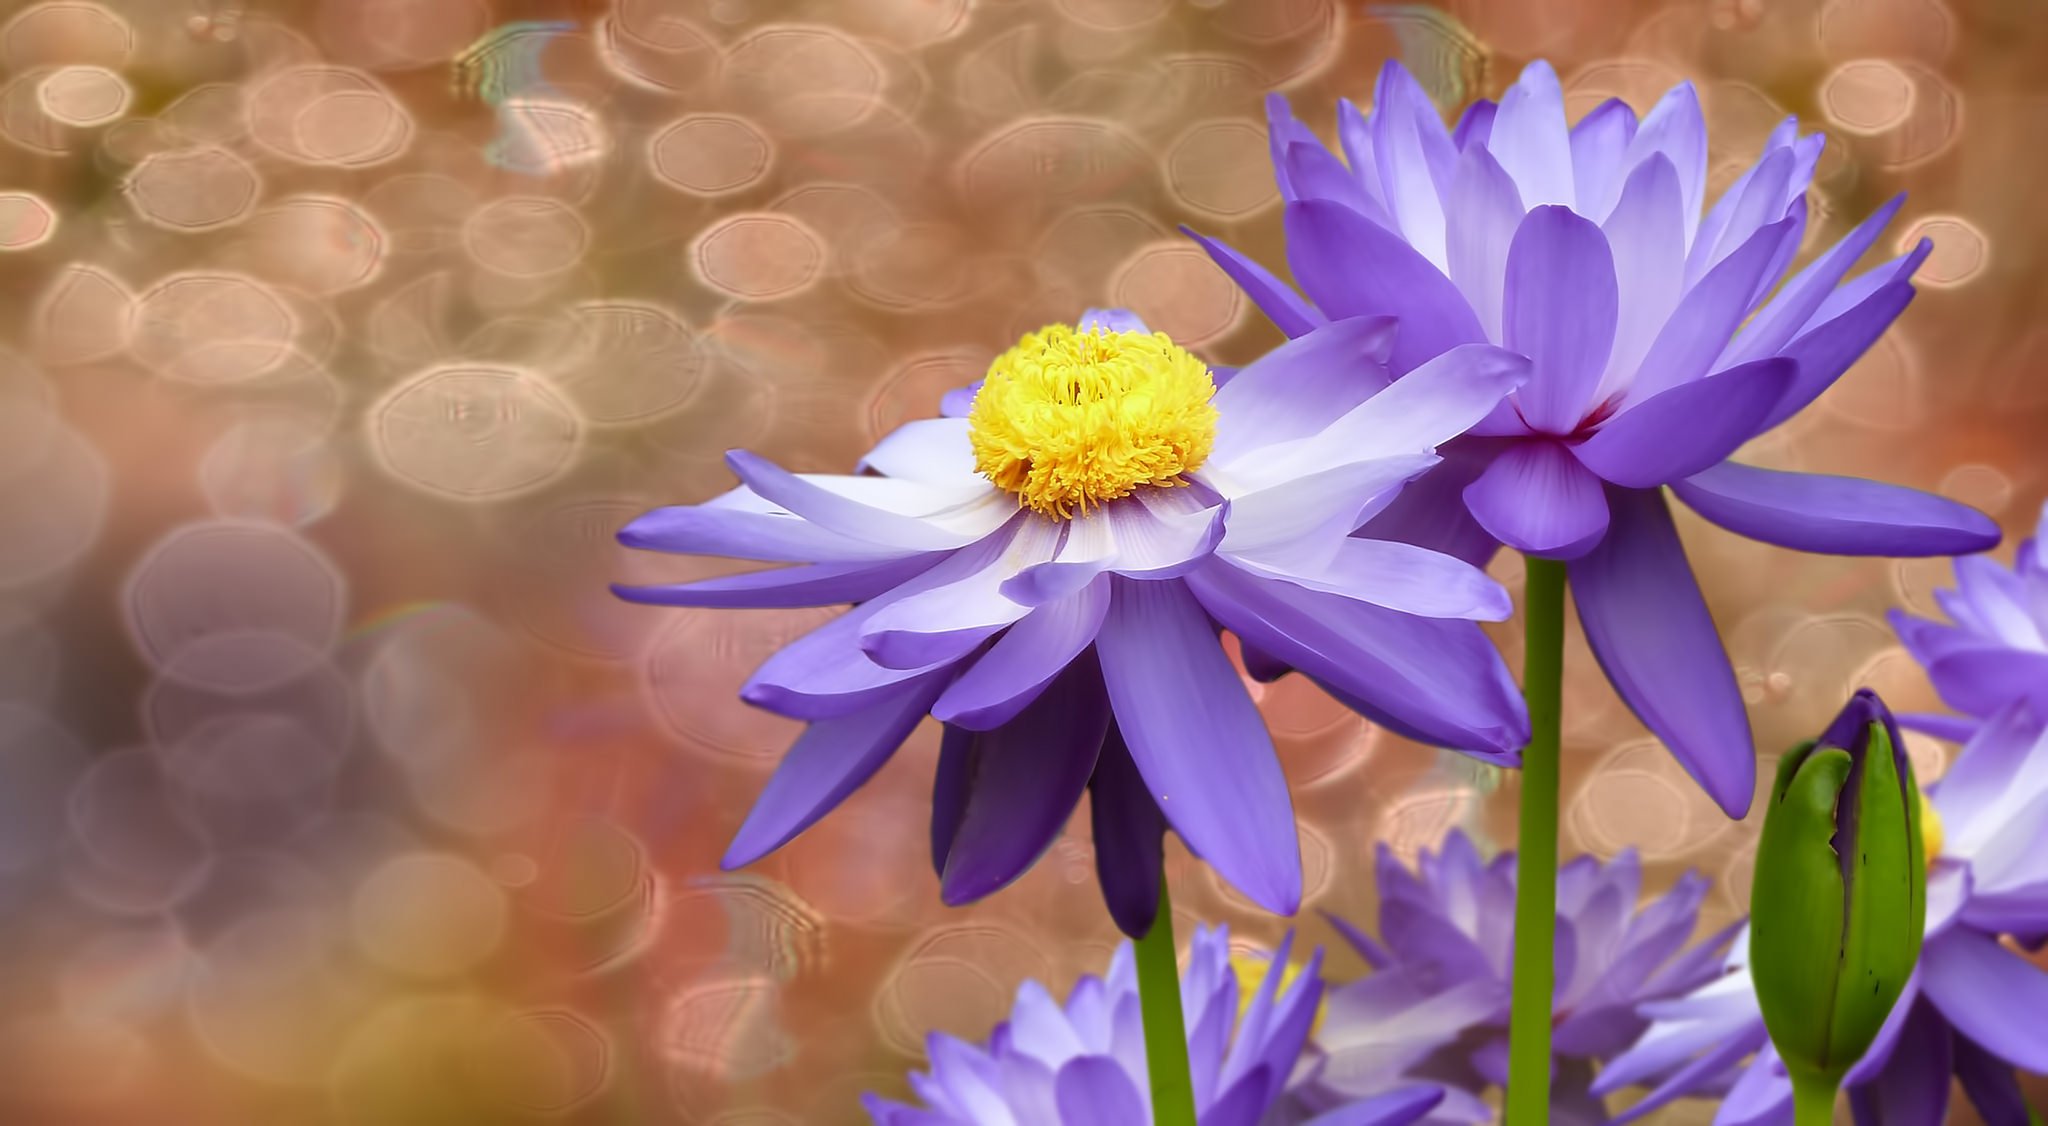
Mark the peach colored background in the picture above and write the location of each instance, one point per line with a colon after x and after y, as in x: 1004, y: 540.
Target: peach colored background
x: 334, y: 786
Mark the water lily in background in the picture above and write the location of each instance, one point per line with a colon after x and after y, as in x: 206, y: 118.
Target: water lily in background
x: 1435, y: 1005
x: 1994, y: 648
x: 1046, y: 568
x: 1083, y: 1063
x: 1971, y: 1009
x: 1663, y: 336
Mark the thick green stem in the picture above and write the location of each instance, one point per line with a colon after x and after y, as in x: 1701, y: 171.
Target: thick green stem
x: 1528, y: 1093
x: 1813, y: 1101
x: 1166, y: 1038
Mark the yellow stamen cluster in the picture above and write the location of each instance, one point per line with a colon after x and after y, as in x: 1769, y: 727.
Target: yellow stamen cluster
x: 1069, y: 419
x: 1930, y: 829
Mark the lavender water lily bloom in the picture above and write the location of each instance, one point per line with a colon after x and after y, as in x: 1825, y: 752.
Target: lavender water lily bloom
x: 1083, y: 1063
x: 1662, y: 340
x: 1436, y: 1004
x: 1994, y: 648
x: 1972, y: 1008
x: 1045, y: 570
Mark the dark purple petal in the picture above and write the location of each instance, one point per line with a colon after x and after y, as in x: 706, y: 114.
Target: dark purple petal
x: 1430, y: 510
x: 1298, y: 388
x: 1879, y: 1053
x: 1024, y: 660
x: 1912, y: 1090
x: 1953, y: 728
x: 1531, y: 139
x: 1706, y: 316
x: 1599, y: 141
x: 1025, y: 778
x: 1989, y: 993
x: 1487, y: 208
x: 1313, y: 173
x: 1777, y: 323
x: 1559, y: 310
x: 1824, y: 353
x: 1989, y: 1082
x: 1475, y: 125
x: 1095, y: 1091
x: 1687, y: 429
x: 1129, y: 837
x: 1652, y: 634
x: 828, y: 761
x: 1368, y: 948
x: 813, y: 584
x: 1275, y: 298
x: 1243, y: 1103
x: 1353, y: 267
x: 1834, y: 515
x: 949, y: 791
x: 1198, y: 740
x: 1537, y: 498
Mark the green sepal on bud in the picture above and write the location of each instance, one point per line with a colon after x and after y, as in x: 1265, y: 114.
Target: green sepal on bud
x: 1839, y: 903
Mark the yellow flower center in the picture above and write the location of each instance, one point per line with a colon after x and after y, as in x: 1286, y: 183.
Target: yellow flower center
x: 1250, y: 970
x: 1068, y: 419
x: 1930, y: 829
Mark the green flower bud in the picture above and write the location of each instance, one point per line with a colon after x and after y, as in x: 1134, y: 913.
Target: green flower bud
x: 1840, y: 897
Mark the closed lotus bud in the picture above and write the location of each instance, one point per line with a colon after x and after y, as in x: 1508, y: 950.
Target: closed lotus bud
x: 1840, y: 896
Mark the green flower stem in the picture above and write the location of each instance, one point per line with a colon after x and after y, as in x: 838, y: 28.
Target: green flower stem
x: 1528, y: 1093
x: 1166, y: 1039
x: 1813, y: 1101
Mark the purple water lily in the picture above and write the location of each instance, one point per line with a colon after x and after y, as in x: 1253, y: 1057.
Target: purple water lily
x: 1994, y: 649
x: 1659, y: 348
x: 1436, y: 1004
x: 1971, y: 1009
x: 1083, y: 1064
x: 1046, y: 568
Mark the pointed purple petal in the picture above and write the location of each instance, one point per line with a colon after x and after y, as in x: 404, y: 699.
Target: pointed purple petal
x: 1300, y: 387
x: 1652, y: 634
x: 1129, y: 837
x: 1989, y: 993
x: 1777, y: 323
x: 1531, y: 139
x: 1275, y: 298
x: 1687, y: 429
x: 1676, y: 128
x: 1706, y: 316
x: 1198, y: 740
x: 1488, y: 209
x: 1313, y: 173
x: 1354, y: 268
x: 1646, y: 228
x: 1537, y: 498
x: 813, y: 584
x: 1024, y: 660
x: 747, y: 533
x: 1413, y: 154
x: 840, y: 512
x: 1834, y: 515
x: 1560, y: 308
x: 1824, y: 353
x: 1598, y: 142
x: 1475, y: 125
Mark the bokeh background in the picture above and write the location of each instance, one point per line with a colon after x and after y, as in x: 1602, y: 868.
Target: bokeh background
x: 335, y: 787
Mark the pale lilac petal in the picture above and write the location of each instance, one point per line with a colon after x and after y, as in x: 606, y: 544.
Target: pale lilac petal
x: 1599, y: 141
x: 827, y: 762
x: 1485, y: 207
x: 1413, y: 154
x: 1560, y: 308
x: 1990, y: 994
x: 1652, y: 634
x: 814, y: 584
x: 1354, y: 136
x: 1537, y: 498
x: 1094, y: 1091
x: 1353, y: 267
x: 1039, y: 1028
x: 1974, y: 797
x: 1140, y: 536
x: 1275, y: 298
x: 1298, y: 388
x: 1777, y: 323
x: 1757, y: 199
x: 1430, y: 511
x: 1706, y: 316
x: 959, y: 401
x: 1027, y: 777
x: 757, y: 531
x: 933, y: 450
x: 1531, y: 139
x: 1687, y: 429
x: 1024, y: 660
x: 1129, y: 837
x: 1647, y: 231
x: 1111, y: 320
x: 1824, y: 353
x: 1676, y: 128
x: 1321, y: 505
x: 887, y: 510
x: 1981, y: 681
x: 1398, y: 576
x: 949, y: 620
x: 1198, y: 740
x: 1640, y: 1065
x: 1834, y: 515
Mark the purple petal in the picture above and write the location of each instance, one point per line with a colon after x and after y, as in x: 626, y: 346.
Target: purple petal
x: 1989, y: 993
x: 1198, y: 740
x: 1129, y: 837
x: 1953, y: 728
x: 1777, y: 323
x: 812, y: 584
x: 1354, y: 136
x: 1111, y: 320
x: 1646, y: 229
x: 1879, y: 1054
x: 1298, y: 388
x: 1414, y: 155
x: 1531, y: 139
x: 935, y: 450
x: 1313, y: 173
x: 1706, y: 316
x: 828, y: 761
x: 1824, y: 353
x: 1758, y: 198
x: 1024, y: 660
x: 902, y: 524
x: 1687, y: 429
x: 1275, y: 298
x: 1912, y: 1090
x: 1858, y: 289
x: 1368, y: 948
x: 1487, y: 208
x: 1985, y: 681
x: 1598, y: 142
x: 949, y: 620
x: 757, y: 531
x: 950, y: 783
x: 1143, y: 535
x: 1652, y: 634
x: 1560, y: 308
x: 1723, y: 1053
x: 1676, y: 128
x: 959, y: 401
x: 1834, y: 515
x: 1437, y: 677
x: 1395, y: 1108
x: 1352, y: 267
x: 1094, y: 1091
x: 1475, y: 125
x: 1320, y: 505
x: 1026, y: 777
x: 1430, y: 510
x: 1395, y: 575
x: 1242, y: 1104
x: 1537, y: 498
x: 1989, y: 1082
x: 1977, y: 784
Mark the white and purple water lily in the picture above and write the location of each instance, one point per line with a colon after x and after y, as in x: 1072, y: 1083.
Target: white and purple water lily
x: 1045, y: 570
x: 1083, y: 1064
x: 1971, y: 1009
x: 1661, y: 339
x: 1994, y: 648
